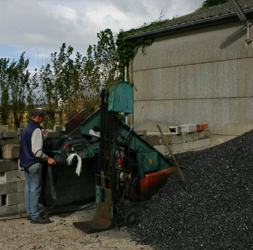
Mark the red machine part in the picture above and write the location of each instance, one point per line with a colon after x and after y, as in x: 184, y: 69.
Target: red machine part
x: 140, y: 189
x: 153, y: 181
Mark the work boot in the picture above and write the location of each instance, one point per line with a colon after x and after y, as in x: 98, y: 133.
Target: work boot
x: 40, y: 220
x: 28, y: 217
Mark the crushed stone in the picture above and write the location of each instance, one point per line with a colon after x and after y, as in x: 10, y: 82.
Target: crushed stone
x: 218, y: 215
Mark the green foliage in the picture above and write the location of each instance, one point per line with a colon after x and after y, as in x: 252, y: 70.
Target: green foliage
x: 5, y: 105
x: 67, y: 84
x: 15, y: 89
x: 211, y: 3
x: 127, y: 49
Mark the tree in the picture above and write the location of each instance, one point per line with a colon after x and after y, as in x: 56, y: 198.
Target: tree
x: 18, y: 79
x: 4, y: 86
x: 15, y: 89
x: 210, y: 3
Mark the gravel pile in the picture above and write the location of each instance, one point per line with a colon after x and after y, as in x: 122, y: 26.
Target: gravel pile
x: 218, y: 215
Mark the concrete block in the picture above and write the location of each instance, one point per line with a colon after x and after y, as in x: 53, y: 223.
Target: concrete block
x: 69, y: 170
x: 65, y: 180
x: 192, y: 136
x: 8, y: 165
x: 20, y: 186
x: 204, y: 134
x: 13, y: 199
x: 179, y: 138
x: 11, y: 151
x: 190, y: 146
x: 14, y: 140
x: 169, y: 138
x: 67, y: 199
x: 12, y: 176
x: 141, y: 133
x: 53, y: 134
x: 2, y: 177
x: 81, y: 197
x: 60, y: 191
x: 201, y: 143
x: 153, y: 140
x: 174, y: 130
x: 19, y: 131
x: 58, y: 128
x: 1, y: 199
x: 4, y: 128
x: 177, y: 148
x: 91, y: 176
x: 153, y: 132
x: 73, y: 189
x: 8, y: 134
x: 188, y: 128
x: 21, y: 208
x: 86, y: 188
x: 8, y: 210
x: 60, y: 170
x: 157, y: 139
x: 8, y: 188
x: 161, y: 148
x: 91, y: 195
x: 91, y: 187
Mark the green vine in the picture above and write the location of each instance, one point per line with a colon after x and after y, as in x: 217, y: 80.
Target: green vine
x: 128, y: 48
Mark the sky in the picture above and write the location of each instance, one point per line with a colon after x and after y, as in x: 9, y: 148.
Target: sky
x: 39, y: 27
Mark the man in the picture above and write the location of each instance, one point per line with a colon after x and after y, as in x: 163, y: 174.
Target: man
x: 31, y: 158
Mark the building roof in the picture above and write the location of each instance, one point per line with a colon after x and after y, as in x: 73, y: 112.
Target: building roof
x: 211, y: 15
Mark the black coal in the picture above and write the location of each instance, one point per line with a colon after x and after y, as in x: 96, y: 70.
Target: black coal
x: 218, y: 215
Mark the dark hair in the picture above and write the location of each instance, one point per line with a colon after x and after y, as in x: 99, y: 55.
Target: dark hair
x: 37, y: 112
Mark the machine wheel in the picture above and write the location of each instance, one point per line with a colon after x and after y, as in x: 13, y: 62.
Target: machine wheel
x: 131, y: 219
x: 127, y: 188
x: 135, y: 189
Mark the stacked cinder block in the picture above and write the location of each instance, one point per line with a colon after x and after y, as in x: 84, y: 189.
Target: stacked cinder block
x: 188, y: 137
x: 12, y: 181
x: 70, y: 187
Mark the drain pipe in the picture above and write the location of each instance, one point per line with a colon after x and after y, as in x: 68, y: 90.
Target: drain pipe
x: 242, y: 17
x: 125, y: 79
x: 248, y: 40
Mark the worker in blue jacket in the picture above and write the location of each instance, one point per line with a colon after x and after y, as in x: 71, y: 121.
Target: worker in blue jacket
x: 31, y: 158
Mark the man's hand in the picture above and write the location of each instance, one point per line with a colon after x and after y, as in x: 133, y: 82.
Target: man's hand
x: 51, y: 161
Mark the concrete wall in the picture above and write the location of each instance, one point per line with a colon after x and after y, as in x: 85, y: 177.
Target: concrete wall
x: 200, y: 76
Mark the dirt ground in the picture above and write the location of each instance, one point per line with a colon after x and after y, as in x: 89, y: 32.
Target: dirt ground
x: 17, y: 232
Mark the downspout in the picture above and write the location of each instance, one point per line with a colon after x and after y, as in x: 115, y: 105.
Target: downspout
x: 125, y: 79
x: 241, y: 16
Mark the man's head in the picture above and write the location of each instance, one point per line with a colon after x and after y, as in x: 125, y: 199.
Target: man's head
x: 37, y: 115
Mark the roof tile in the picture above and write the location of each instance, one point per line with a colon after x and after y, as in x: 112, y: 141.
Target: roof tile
x: 220, y: 10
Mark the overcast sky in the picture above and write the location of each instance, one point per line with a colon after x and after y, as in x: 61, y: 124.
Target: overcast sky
x: 39, y: 27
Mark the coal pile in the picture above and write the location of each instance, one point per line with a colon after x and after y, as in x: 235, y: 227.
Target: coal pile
x: 218, y: 215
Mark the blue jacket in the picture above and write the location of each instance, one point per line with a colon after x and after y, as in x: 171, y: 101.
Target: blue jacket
x: 26, y: 155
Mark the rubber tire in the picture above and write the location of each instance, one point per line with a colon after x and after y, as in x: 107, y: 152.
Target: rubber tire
x: 131, y: 219
x: 127, y: 188
x: 134, y: 189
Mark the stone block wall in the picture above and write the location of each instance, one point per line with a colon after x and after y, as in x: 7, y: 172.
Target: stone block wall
x: 179, y: 142
x: 70, y: 187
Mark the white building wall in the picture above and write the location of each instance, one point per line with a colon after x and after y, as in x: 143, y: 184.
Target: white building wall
x: 200, y: 76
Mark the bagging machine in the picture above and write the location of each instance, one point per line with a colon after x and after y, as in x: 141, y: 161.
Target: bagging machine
x: 127, y: 167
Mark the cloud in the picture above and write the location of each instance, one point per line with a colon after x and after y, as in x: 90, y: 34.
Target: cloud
x: 43, y: 25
